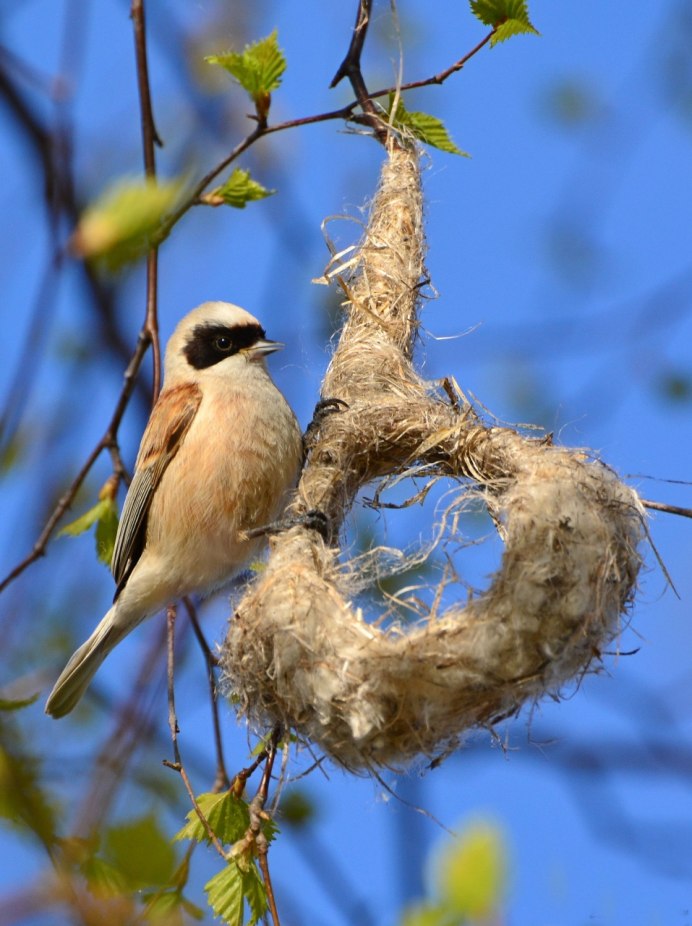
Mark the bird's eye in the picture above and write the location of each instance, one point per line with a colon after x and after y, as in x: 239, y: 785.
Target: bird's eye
x: 222, y: 343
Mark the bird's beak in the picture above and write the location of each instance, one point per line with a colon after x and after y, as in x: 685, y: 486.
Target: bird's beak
x: 261, y: 348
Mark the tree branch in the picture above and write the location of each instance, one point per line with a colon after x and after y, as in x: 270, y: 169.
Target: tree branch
x: 177, y: 764
x: 344, y: 112
x: 222, y: 780
x: 107, y: 442
x: 150, y: 138
x: 350, y: 67
x: 669, y: 509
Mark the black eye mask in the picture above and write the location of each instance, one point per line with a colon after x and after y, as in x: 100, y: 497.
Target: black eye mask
x: 211, y: 343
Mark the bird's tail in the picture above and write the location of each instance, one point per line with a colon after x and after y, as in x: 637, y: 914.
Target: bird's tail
x: 79, y: 671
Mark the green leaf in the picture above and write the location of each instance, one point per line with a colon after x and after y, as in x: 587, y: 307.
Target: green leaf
x: 258, y: 68
x: 270, y: 829
x: 106, y: 529
x: 167, y: 907
x: 104, y: 515
x: 425, y: 914
x: 512, y: 27
x: 238, y: 190
x: 676, y: 385
x: 231, y: 888
x: 141, y: 852
x: 255, y: 893
x: 13, y: 451
x: 191, y: 909
x: 22, y: 799
x: 7, y: 704
x: 261, y: 745
x: 104, y: 879
x: 297, y: 809
x: 225, y: 894
x: 428, y: 129
x: 227, y: 815
x: 85, y: 521
x: 125, y: 221
x: 163, y: 907
x: 471, y: 874
x: 507, y: 18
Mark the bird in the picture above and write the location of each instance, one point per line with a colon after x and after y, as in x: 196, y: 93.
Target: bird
x: 218, y: 459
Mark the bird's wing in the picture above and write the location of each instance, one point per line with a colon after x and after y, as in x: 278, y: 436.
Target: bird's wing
x: 170, y: 420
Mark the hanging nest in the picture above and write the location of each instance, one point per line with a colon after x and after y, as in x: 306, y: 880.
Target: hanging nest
x: 300, y: 654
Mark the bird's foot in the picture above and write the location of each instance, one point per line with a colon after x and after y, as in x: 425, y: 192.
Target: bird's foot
x: 323, y: 408
x: 314, y: 520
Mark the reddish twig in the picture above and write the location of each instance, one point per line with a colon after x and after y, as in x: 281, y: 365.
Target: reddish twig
x: 150, y: 138
x: 177, y: 764
x: 344, y: 112
x: 151, y: 321
x: 222, y: 780
x: 350, y: 68
x: 44, y: 145
x: 107, y: 442
x: 241, y: 777
x: 266, y: 877
x: 669, y: 509
x: 263, y: 789
x: 440, y: 78
x: 194, y: 197
x: 257, y: 814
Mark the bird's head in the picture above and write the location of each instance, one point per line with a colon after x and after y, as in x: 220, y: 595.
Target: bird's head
x: 216, y: 339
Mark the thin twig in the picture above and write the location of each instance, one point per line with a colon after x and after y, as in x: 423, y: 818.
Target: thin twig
x: 256, y: 813
x: 350, y: 67
x: 151, y: 321
x: 59, y: 189
x: 344, y: 112
x: 177, y: 764
x: 266, y: 877
x: 443, y: 75
x: 669, y: 509
x: 107, y: 442
x: 263, y: 789
x: 194, y: 197
x: 213, y: 838
x: 222, y: 781
x: 171, y: 612
x: 241, y: 777
x: 150, y: 138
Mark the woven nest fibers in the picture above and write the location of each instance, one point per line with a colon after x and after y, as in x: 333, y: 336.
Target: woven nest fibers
x: 299, y: 653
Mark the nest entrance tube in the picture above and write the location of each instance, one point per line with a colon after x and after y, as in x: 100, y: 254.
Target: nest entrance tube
x: 298, y: 653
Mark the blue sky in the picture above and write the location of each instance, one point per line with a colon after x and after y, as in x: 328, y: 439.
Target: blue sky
x: 560, y: 251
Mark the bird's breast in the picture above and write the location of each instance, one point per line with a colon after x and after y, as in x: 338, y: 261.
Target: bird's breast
x: 233, y: 472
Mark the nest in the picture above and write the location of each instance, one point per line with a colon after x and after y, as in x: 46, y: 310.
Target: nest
x: 299, y: 653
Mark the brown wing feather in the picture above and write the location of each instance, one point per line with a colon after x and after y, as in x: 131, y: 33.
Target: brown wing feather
x: 170, y: 420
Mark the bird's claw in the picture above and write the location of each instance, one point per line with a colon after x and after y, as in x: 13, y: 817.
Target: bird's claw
x: 314, y: 520
x: 323, y: 408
